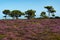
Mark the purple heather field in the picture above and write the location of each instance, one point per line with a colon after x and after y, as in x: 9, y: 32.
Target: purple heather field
x: 34, y: 29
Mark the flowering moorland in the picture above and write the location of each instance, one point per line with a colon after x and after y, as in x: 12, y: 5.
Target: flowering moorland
x: 39, y: 29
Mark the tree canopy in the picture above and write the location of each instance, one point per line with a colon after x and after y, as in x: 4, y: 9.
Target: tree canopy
x: 6, y: 12
x: 30, y: 14
x: 16, y: 13
x: 50, y: 10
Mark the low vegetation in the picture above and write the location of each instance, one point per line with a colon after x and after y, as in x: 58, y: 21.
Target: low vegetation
x: 35, y: 29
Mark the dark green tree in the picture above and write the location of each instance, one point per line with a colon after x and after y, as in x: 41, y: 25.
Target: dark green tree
x: 6, y: 12
x: 30, y: 14
x: 16, y: 14
x: 43, y: 15
x: 49, y: 8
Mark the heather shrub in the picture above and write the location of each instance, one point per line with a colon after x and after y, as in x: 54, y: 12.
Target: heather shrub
x: 2, y: 36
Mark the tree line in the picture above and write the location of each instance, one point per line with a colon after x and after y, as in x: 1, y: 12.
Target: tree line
x: 29, y: 14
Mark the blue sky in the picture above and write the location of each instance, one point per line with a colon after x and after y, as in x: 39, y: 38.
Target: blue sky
x: 24, y: 5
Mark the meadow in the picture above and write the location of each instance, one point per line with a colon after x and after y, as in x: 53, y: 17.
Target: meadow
x: 30, y: 29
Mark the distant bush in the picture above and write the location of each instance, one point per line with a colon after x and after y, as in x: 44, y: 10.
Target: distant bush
x: 51, y: 17
x: 57, y: 17
x: 37, y: 18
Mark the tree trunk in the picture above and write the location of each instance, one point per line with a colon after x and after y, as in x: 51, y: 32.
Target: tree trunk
x: 16, y: 17
x: 13, y: 17
x: 49, y: 14
x: 5, y: 16
x: 28, y: 17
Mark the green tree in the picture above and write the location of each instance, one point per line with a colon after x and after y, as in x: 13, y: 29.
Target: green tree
x: 49, y: 8
x: 16, y: 14
x: 6, y: 12
x: 43, y: 15
x: 30, y: 14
